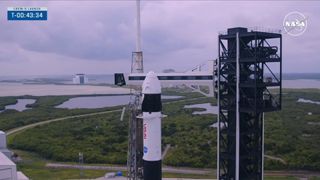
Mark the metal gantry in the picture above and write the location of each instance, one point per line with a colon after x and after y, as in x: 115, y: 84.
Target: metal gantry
x: 249, y: 84
x: 135, y: 140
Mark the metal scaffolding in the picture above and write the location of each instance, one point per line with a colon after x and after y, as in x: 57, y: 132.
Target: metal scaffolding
x: 135, y: 140
x: 249, y: 84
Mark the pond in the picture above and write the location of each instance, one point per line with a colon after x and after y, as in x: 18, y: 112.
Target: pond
x: 21, y: 105
x: 209, y: 109
x: 207, y: 106
x: 92, y: 102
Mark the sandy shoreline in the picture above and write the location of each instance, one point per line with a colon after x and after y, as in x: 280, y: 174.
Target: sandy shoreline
x: 18, y: 89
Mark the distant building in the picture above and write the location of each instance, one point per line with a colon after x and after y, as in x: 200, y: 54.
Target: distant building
x: 80, y: 79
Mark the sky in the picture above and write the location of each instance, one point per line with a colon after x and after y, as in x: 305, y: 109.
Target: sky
x: 98, y: 37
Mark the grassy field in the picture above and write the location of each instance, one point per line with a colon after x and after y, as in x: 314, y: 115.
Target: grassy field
x: 34, y: 167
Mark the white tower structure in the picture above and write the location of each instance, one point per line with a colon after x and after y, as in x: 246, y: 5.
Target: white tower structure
x: 137, y: 56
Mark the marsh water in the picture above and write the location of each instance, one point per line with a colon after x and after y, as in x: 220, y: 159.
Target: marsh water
x: 21, y: 104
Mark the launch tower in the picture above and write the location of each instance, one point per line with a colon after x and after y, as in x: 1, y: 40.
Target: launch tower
x: 248, y: 85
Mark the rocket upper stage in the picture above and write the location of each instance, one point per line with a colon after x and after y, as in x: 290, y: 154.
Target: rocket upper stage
x: 151, y: 114
x: 151, y: 90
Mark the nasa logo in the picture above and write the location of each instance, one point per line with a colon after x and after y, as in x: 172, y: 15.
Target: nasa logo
x: 145, y: 149
x: 295, y: 23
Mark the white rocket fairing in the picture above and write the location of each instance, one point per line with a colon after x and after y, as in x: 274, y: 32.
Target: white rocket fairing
x: 151, y: 114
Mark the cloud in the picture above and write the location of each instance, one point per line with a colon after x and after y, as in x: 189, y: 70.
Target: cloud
x: 82, y: 30
x: 11, y: 52
x: 175, y: 34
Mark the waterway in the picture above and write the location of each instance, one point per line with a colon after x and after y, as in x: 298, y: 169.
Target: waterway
x: 21, y: 104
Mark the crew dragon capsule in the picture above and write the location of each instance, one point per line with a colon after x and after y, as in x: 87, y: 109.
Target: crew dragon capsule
x: 151, y: 114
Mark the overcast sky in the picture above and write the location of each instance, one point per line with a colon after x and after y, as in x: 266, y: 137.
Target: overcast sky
x: 97, y: 37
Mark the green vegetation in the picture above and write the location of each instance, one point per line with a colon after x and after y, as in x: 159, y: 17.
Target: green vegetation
x: 6, y: 101
x: 190, y: 136
x: 103, y: 138
x: 315, y: 178
x: 289, y: 134
x: 34, y: 167
x: 42, y: 109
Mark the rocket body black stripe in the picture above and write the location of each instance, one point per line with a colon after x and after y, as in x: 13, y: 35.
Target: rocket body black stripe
x: 152, y: 170
x: 151, y: 103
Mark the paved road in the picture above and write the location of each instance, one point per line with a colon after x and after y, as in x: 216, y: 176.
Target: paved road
x: 297, y: 173
x: 124, y: 168
x: 168, y: 169
x: 19, y: 129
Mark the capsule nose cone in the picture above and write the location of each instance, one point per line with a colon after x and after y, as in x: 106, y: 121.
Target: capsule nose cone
x: 151, y: 84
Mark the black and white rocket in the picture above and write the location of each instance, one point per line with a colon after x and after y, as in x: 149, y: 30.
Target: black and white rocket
x: 151, y: 114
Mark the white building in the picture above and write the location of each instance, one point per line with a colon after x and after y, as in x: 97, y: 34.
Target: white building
x: 80, y: 79
x: 8, y: 169
x: 3, y: 145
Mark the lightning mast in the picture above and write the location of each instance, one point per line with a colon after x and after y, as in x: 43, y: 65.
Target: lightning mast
x: 137, y: 57
x: 135, y: 140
